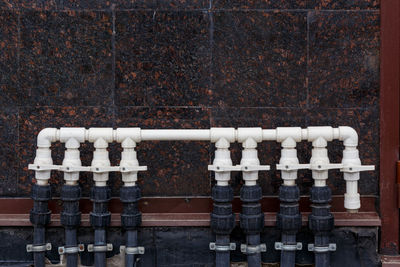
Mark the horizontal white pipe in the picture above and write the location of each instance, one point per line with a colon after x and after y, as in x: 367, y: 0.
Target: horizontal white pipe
x: 344, y: 133
x: 175, y: 135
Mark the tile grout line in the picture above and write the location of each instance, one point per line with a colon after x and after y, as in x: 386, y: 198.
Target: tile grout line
x: 113, y: 55
x: 308, y: 60
x: 211, y: 33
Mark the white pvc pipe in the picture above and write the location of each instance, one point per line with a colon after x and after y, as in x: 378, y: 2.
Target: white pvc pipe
x: 318, y: 135
x: 175, y: 135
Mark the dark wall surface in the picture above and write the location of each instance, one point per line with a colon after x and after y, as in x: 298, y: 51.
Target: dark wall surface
x: 186, y: 64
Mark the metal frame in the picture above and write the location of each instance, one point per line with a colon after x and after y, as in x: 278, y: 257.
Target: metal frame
x: 389, y: 125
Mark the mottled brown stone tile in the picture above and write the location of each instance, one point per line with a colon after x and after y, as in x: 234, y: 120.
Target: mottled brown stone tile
x: 183, y: 4
x: 174, y: 168
x: 343, y: 4
x: 66, y: 58
x: 344, y: 59
x: 8, y: 58
x: 136, y: 4
x: 8, y: 151
x: 34, y: 119
x: 259, y: 59
x: 162, y: 58
x: 108, y: 4
x: 30, y: 4
x: 259, y: 4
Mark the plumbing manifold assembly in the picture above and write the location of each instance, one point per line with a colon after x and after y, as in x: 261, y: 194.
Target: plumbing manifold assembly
x: 222, y: 220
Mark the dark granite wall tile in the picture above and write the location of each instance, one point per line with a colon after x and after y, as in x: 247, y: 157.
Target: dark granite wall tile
x: 8, y: 58
x: 344, y: 59
x: 8, y: 151
x: 163, y: 57
x: 107, y: 4
x: 183, y: 4
x: 259, y: 59
x: 30, y: 5
x: 34, y: 119
x: 66, y: 58
x: 174, y: 168
x: 259, y: 4
x: 343, y: 4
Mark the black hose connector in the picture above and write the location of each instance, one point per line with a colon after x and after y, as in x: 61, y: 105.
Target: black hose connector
x: 222, y: 223
x: 71, y: 218
x: 222, y: 218
x: 251, y: 217
x: 131, y: 217
x: 100, y: 217
x: 321, y: 222
x: 40, y: 216
x: 288, y: 220
x: 70, y: 215
x: 252, y: 223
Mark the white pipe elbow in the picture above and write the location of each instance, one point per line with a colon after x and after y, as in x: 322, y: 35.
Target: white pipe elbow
x: 47, y: 136
x: 348, y: 135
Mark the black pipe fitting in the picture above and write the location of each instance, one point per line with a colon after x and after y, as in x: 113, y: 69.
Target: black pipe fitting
x: 100, y: 218
x: 70, y: 215
x: 289, y: 217
x: 222, y: 222
x: 71, y: 218
x: 288, y: 220
x: 222, y: 218
x: 251, y: 217
x: 131, y: 219
x: 321, y: 222
x: 40, y: 217
x: 252, y: 221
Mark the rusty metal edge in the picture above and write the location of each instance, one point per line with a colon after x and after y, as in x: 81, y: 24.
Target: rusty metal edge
x: 389, y: 125
x: 195, y: 219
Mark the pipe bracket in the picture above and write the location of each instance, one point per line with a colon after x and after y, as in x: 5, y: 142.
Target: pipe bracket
x: 288, y: 247
x: 231, y: 246
x: 105, y: 248
x: 38, y: 248
x: 132, y: 250
x: 71, y: 250
x: 247, y: 249
x: 320, y: 249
